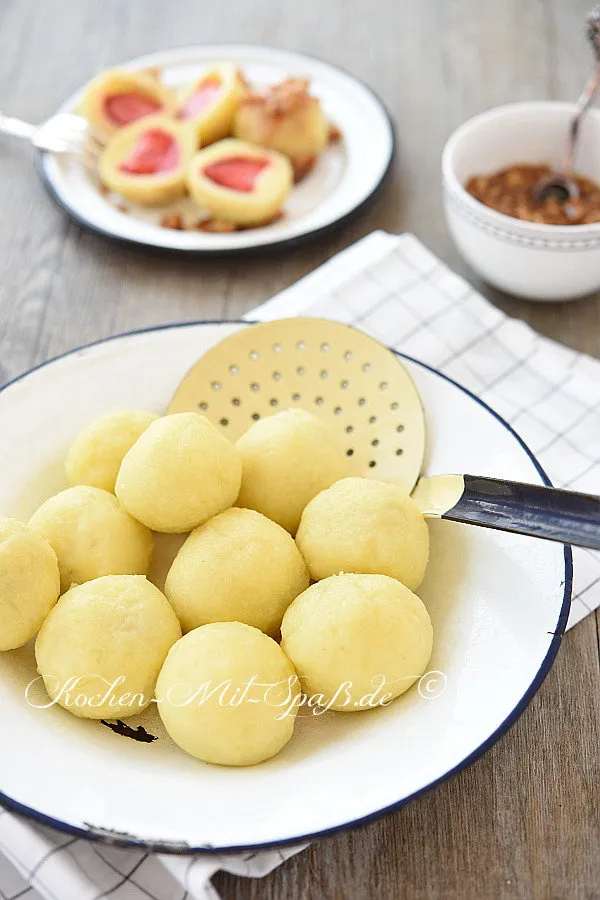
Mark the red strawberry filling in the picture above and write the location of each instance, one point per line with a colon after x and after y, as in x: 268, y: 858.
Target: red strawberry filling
x: 129, y: 106
x: 155, y: 151
x: 238, y: 173
x: 204, y: 94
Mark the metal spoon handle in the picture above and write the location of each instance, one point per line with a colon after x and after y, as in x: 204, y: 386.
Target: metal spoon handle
x: 583, y: 102
x: 543, y: 512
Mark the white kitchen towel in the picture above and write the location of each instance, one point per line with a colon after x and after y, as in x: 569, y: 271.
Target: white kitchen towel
x: 393, y: 288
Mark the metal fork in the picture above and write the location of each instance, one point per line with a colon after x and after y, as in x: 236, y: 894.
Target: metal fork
x: 63, y: 133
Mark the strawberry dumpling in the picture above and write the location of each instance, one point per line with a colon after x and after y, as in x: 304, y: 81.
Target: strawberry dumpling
x: 209, y: 104
x: 240, y: 182
x: 119, y: 97
x: 147, y: 161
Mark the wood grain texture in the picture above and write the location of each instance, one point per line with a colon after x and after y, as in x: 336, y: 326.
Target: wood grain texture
x: 523, y: 821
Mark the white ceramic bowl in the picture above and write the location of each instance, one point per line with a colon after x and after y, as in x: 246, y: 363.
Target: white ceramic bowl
x: 540, y: 262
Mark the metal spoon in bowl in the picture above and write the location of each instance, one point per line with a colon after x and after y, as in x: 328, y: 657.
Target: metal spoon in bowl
x: 562, y: 185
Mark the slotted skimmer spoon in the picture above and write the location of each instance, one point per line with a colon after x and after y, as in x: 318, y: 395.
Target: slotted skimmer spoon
x: 363, y: 390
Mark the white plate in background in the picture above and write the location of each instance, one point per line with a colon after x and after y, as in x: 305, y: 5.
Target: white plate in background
x: 345, y: 179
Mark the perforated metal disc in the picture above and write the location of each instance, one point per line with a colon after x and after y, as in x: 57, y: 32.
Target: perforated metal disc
x: 332, y: 370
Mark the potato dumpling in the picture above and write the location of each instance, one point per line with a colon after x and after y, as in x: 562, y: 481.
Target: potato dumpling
x: 287, y: 459
x: 197, y: 688
x: 365, y: 526
x: 357, y: 641
x: 178, y: 474
x: 97, y: 452
x: 239, y: 182
x: 102, y: 646
x: 29, y: 583
x: 237, y: 567
x: 147, y: 161
x: 285, y: 118
x: 118, y: 97
x: 92, y: 535
x: 209, y: 104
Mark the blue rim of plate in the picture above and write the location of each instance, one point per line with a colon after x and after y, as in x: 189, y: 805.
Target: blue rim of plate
x: 176, y: 848
x: 258, y: 249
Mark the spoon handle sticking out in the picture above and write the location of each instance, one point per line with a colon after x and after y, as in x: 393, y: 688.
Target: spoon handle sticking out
x: 544, y: 512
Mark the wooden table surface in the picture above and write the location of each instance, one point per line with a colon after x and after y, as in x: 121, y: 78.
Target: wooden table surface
x: 523, y: 821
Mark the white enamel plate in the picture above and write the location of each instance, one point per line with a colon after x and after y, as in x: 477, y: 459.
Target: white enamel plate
x: 345, y: 179
x: 497, y: 602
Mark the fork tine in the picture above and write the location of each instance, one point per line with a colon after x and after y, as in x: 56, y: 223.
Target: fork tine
x: 95, y: 145
x: 90, y: 161
x: 97, y: 135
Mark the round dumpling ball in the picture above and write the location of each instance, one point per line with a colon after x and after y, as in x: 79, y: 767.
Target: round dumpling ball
x: 29, y: 583
x: 364, y: 526
x: 212, y: 666
x: 92, y: 535
x: 237, y: 567
x: 102, y: 646
x: 97, y: 452
x: 357, y: 641
x: 178, y: 474
x: 286, y: 460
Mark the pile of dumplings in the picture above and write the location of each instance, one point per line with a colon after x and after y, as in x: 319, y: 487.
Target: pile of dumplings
x: 292, y: 579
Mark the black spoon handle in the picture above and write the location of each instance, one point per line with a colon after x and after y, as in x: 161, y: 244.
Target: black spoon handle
x: 530, y: 509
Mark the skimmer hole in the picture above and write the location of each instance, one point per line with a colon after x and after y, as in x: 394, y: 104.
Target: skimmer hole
x: 349, y: 429
x: 362, y: 401
x: 216, y: 385
x: 383, y: 385
x: 300, y: 370
x: 235, y: 401
x: 318, y: 401
x: 224, y: 421
x: 366, y: 367
x: 372, y: 464
x: 324, y: 347
x: 337, y: 410
x: 255, y: 416
x: 399, y: 451
x: 394, y: 405
x: 344, y: 383
x: 323, y: 374
x: 399, y: 428
x: 277, y: 348
x: 350, y: 452
x: 348, y: 355
x: 375, y: 443
x: 235, y: 370
x: 254, y: 386
x: 276, y: 376
x: 273, y: 401
x: 300, y: 345
x: 203, y: 405
x: 372, y: 420
x: 254, y: 355
x: 296, y: 398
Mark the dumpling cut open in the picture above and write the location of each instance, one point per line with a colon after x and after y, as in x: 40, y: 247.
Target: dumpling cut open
x: 239, y: 182
x: 147, y: 161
